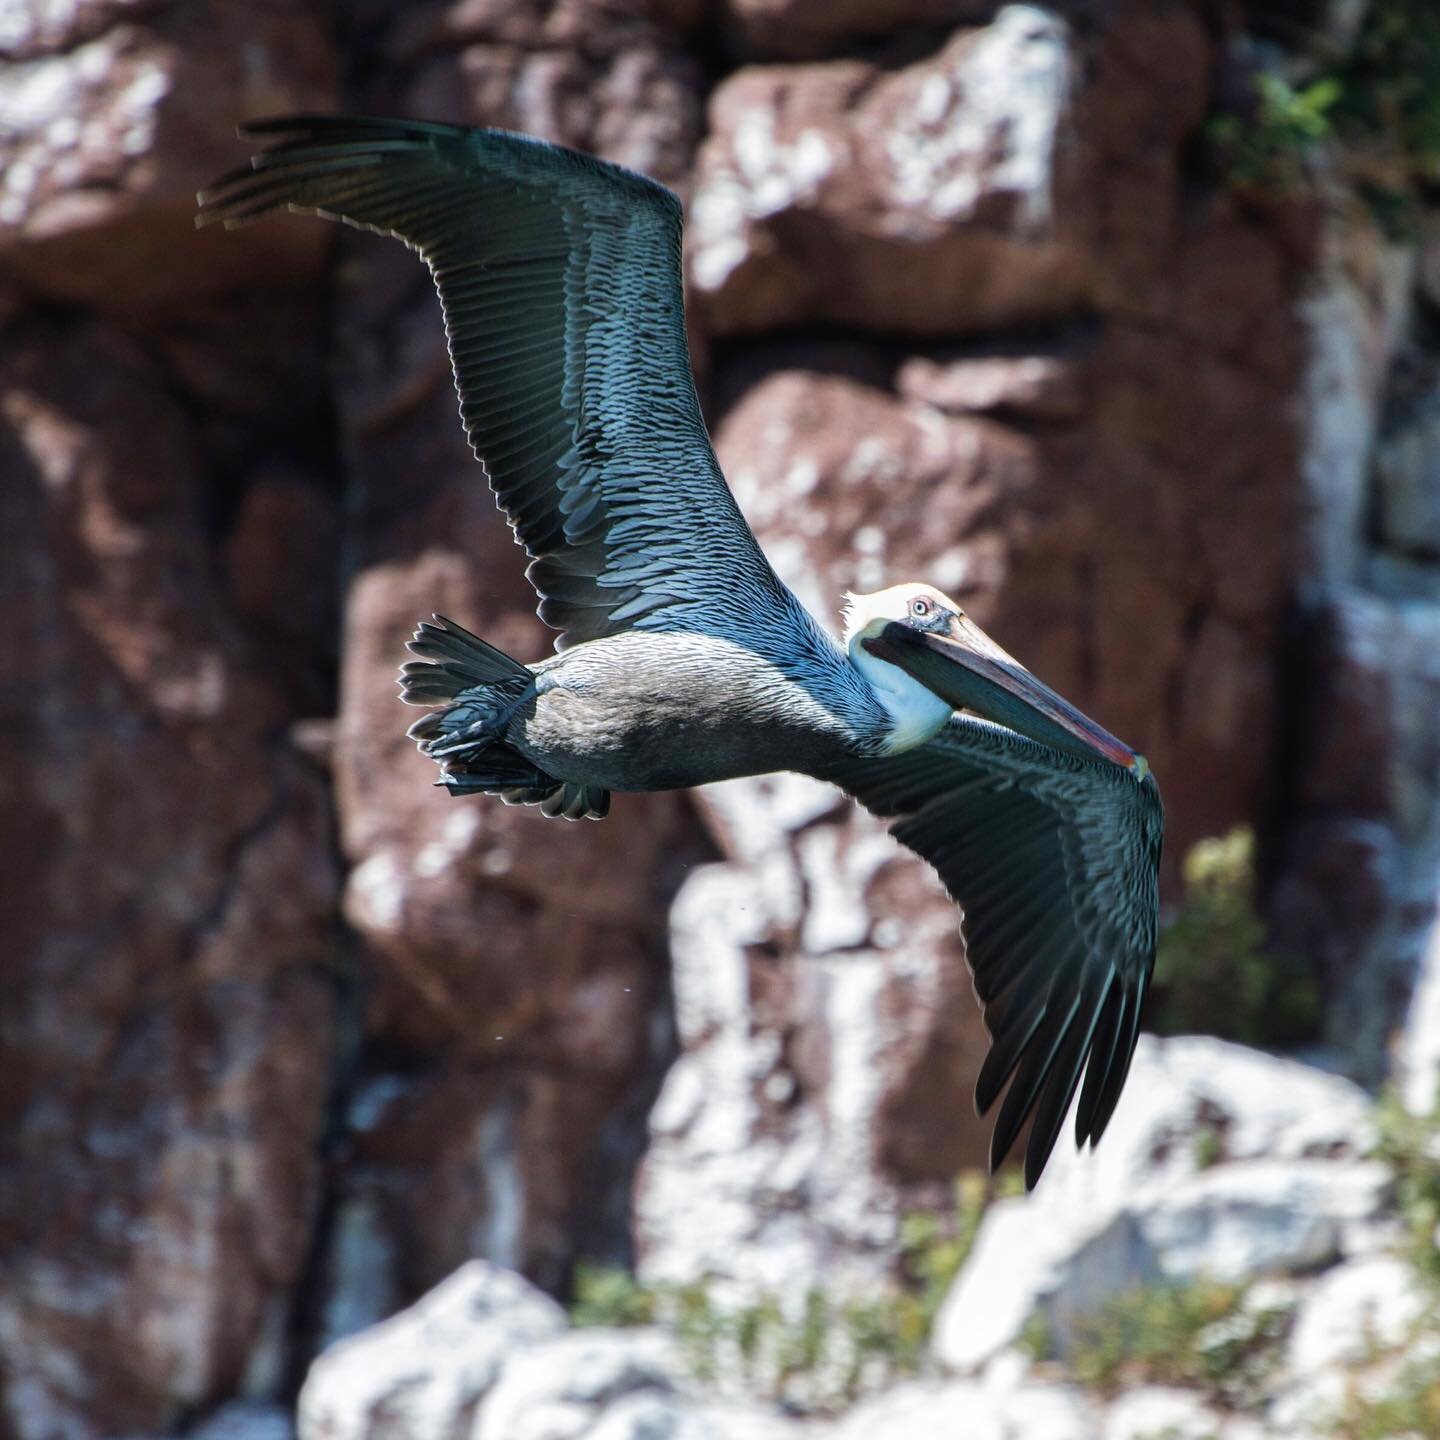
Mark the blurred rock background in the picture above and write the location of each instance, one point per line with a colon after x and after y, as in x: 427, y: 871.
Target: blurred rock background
x: 1122, y: 323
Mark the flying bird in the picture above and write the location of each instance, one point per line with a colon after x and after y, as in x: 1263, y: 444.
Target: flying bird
x: 682, y: 658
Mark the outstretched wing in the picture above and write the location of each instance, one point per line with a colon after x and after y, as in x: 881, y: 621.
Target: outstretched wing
x: 559, y: 276
x: 1054, y: 861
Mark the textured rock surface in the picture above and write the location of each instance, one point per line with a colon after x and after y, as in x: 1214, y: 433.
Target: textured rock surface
x: 920, y: 200
x: 1288, y: 1193
x: 1356, y: 886
x: 1354, y: 1312
x: 613, y: 79
x: 167, y: 1023
x: 970, y: 305
x: 762, y: 1161
x: 1358, y: 894
x: 424, y: 1372
x: 588, y: 1381
x: 486, y: 1355
x: 1355, y: 315
x: 1177, y: 1414
x: 932, y: 1411
x: 110, y: 121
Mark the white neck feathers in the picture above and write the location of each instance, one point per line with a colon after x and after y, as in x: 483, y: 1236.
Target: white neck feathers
x: 918, y: 713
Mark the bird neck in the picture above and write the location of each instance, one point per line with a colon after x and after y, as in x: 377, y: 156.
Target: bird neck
x: 916, y: 714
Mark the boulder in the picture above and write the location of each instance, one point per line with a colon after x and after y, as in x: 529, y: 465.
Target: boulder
x: 1154, y: 1410
x: 422, y: 1374
x: 940, y: 1411
x: 1321, y: 1401
x: 1261, y: 1218
x: 937, y: 195
x: 923, y: 199
x: 1288, y: 1193
x: 1353, y: 1312
x: 486, y: 1356
x: 619, y: 1383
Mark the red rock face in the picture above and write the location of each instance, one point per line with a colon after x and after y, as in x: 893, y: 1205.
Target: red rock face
x: 289, y: 1034
x: 616, y: 80
x: 115, y: 126
x: 168, y: 1015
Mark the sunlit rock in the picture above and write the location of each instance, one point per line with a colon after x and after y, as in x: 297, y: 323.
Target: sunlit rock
x: 936, y: 1411
x: 1352, y: 1313
x: 424, y: 1372
x: 1219, y: 1161
x: 930, y: 189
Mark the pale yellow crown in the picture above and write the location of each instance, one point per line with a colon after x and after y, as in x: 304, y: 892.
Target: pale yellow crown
x: 863, y: 611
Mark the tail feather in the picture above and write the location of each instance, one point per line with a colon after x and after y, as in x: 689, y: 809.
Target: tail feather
x: 478, y: 689
x: 562, y: 799
x: 452, y: 660
x: 499, y: 774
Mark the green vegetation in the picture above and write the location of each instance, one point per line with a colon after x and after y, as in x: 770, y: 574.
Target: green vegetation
x: 1212, y: 972
x: 1407, y: 1408
x: 819, y: 1356
x: 934, y: 1247
x: 1226, y: 1340
x: 819, y: 1352
x: 1267, y: 150
x: 823, y: 1353
x: 1380, y: 104
x: 1390, y: 84
x: 610, y: 1295
x: 1203, y: 1334
x: 1405, y: 1404
x: 1208, y: 1148
x: 1410, y: 1146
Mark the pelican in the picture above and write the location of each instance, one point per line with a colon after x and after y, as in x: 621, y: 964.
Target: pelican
x: 682, y: 658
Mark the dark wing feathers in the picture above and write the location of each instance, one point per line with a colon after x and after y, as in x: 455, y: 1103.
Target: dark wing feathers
x: 1054, y: 861
x: 559, y: 276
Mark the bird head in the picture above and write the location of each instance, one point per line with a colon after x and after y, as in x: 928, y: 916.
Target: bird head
x: 924, y: 633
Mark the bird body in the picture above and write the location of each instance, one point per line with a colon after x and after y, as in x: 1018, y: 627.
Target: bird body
x: 644, y: 712
x: 682, y: 658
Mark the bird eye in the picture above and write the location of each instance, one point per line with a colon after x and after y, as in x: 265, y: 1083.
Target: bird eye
x: 919, y: 607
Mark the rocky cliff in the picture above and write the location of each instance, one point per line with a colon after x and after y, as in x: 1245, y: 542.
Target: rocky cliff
x: 976, y: 294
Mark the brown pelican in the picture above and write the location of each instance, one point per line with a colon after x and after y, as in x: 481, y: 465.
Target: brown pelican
x: 682, y: 658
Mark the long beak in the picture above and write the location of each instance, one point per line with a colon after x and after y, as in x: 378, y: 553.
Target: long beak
x: 969, y: 671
